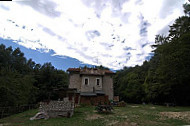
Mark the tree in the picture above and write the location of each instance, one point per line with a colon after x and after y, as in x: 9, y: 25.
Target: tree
x: 25, y: 82
x: 48, y: 78
x: 166, y: 77
x: 186, y: 9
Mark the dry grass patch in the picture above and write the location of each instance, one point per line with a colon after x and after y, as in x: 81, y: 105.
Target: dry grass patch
x: 134, y: 106
x: 127, y: 123
x: 5, y: 124
x: 94, y: 116
x: 152, y: 107
x: 113, y: 123
x: 177, y: 115
x: 123, y: 123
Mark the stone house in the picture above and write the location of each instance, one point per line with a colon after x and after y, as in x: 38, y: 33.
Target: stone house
x: 93, y: 85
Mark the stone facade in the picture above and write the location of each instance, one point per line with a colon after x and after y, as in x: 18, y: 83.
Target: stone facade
x: 74, y: 79
x: 91, y: 81
x: 108, y: 86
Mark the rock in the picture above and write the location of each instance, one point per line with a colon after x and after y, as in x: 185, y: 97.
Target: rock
x: 40, y: 115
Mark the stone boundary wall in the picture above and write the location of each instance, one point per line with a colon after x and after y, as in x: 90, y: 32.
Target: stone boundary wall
x: 58, y: 108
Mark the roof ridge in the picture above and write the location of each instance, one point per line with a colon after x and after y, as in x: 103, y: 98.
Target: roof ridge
x: 90, y: 70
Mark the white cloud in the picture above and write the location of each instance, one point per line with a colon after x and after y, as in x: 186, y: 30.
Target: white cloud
x: 94, y: 32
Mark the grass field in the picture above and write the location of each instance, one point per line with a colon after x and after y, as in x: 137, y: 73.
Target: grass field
x: 131, y: 115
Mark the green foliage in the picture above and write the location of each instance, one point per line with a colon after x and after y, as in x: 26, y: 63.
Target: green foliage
x: 96, y: 67
x: 102, y: 67
x: 16, y: 83
x: 186, y: 9
x: 128, y: 83
x: 23, y: 81
x: 166, y: 77
x: 48, y: 78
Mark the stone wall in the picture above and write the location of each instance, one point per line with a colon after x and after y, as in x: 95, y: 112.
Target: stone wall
x: 58, y: 108
x: 108, y: 86
x: 75, y: 81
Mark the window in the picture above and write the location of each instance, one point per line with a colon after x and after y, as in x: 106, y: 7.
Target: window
x: 86, y: 81
x: 98, y: 81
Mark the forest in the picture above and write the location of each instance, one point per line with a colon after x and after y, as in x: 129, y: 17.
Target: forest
x: 24, y: 82
x: 165, y: 78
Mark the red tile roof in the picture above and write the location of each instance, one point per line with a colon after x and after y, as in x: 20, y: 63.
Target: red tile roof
x: 109, y: 72
x: 74, y: 69
x: 93, y: 71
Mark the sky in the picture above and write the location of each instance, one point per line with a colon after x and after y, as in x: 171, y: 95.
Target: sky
x: 73, y: 33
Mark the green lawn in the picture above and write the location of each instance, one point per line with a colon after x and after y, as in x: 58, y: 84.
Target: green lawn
x: 132, y: 115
